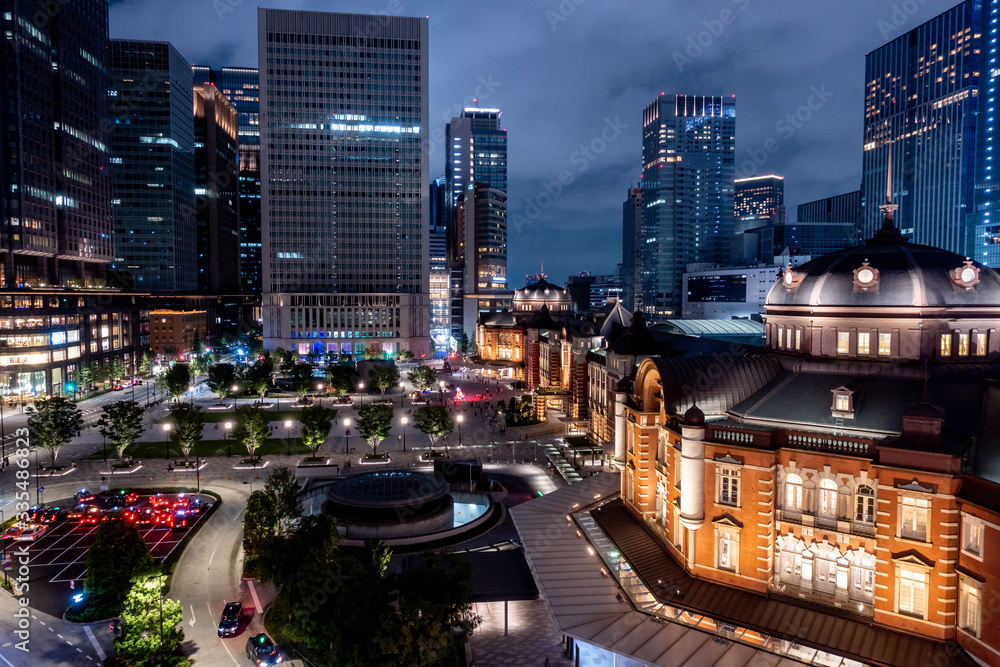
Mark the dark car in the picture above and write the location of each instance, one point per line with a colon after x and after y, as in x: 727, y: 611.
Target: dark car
x: 179, y: 519
x: 262, y: 651
x: 229, y: 624
x: 197, y: 506
x: 55, y: 515
x: 84, y: 496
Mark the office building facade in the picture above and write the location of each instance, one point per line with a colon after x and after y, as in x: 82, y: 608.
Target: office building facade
x: 344, y: 183
x: 688, y: 172
x: 838, y: 208
x: 758, y: 201
x: 153, y: 166
x: 216, y: 191
x: 921, y: 99
x: 631, y: 273
x: 439, y: 277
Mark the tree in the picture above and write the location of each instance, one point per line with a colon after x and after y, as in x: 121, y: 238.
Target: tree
x: 117, y: 554
x: 527, y: 410
x: 316, y: 422
x: 251, y: 428
x: 259, y: 526
x: 283, y: 493
x: 145, y: 364
x: 257, y: 378
x: 83, y: 376
x: 189, y: 421
x: 341, y: 379
x: 197, y: 366
x: 405, y: 354
x: 177, y: 379
x: 422, y: 378
x: 384, y: 376
x: 302, y: 378
x: 433, y: 421
x: 53, y: 422
x: 145, y: 611
x: 463, y: 344
x: 374, y: 424
x: 220, y: 378
x: 286, y: 359
x: 121, y: 423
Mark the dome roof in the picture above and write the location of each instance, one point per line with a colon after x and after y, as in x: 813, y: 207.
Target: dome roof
x: 542, y: 292
x: 888, y: 270
x: 694, y: 416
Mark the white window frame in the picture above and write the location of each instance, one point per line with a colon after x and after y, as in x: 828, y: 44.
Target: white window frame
x: 825, y: 574
x: 944, y: 346
x: 862, y: 580
x: 727, y: 549
x: 970, y: 605
x: 781, y: 337
x: 727, y: 485
x: 798, y: 339
x: 963, y: 344
x: 826, y: 498
x: 912, y: 588
x: 980, y: 344
x: 864, y: 342
x: 842, y: 402
x: 864, y: 504
x: 884, y: 344
x: 791, y: 567
x: 973, y: 530
x: 793, y: 492
x: 843, y: 342
x: 911, y: 507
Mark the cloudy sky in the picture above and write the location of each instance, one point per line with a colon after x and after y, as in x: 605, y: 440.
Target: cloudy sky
x: 572, y: 77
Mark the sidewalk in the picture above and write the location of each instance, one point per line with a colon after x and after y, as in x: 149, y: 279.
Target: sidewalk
x: 532, y: 636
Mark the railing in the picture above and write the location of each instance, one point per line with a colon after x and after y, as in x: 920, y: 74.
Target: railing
x: 735, y: 437
x: 844, y: 526
x: 830, y: 444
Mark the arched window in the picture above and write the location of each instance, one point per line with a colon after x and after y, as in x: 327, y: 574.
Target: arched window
x: 863, y: 578
x: 864, y: 504
x: 825, y: 572
x: 828, y: 498
x: 791, y: 564
x: 793, y: 493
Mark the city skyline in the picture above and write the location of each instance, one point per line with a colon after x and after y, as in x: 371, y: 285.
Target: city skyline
x: 587, y: 94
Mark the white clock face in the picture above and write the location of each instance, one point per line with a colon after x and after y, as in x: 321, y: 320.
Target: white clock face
x: 788, y: 277
x: 865, y: 276
x: 968, y: 275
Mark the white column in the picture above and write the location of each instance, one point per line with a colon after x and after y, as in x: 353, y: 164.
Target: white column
x: 620, y: 427
x: 692, y: 477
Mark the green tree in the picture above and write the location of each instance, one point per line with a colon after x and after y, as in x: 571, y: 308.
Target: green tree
x: 257, y: 378
x: 145, y: 611
x: 251, y: 428
x: 189, y: 421
x: 463, y: 344
x: 374, y: 424
x: 146, y: 364
x: 302, y: 378
x: 384, y: 376
x: 286, y: 359
x: 434, y: 421
x: 83, y: 376
x: 341, y: 379
x: 121, y: 423
x: 177, y: 379
x: 422, y: 378
x: 526, y: 409
x: 283, y: 491
x: 197, y: 365
x: 259, y: 525
x: 316, y: 422
x: 53, y: 422
x: 117, y: 554
x: 220, y: 378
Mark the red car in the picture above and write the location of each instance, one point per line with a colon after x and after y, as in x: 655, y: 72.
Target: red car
x: 180, y: 503
x: 164, y: 518
x: 92, y: 516
x: 159, y: 501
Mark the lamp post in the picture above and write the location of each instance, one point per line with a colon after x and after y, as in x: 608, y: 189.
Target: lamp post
x: 459, y: 420
x: 225, y: 436
x: 191, y: 389
x: 319, y: 388
x: 235, y: 388
x: 166, y: 448
x: 404, y: 420
x: 361, y: 391
x: 288, y: 442
x: 104, y: 446
x: 441, y: 390
x: 402, y: 395
x: 347, y: 434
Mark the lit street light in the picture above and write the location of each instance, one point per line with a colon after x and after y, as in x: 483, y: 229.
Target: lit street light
x: 225, y: 436
x: 361, y: 390
x: 459, y: 420
x: 288, y: 442
x: 347, y: 434
x: 404, y: 420
x: 166, y: 448
x: 235, y: 388
x: 402, y: 395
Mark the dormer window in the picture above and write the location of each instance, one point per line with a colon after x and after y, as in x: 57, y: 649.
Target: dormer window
x: 843, y: 403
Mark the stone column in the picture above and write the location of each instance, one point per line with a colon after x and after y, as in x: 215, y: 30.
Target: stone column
x: 692, y: 476
x: 620, y: 427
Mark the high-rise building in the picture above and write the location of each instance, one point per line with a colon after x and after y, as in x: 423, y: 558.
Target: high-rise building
x: 921, y: 97
x: 758, y: 201
x: 240, y: 86
x: 476, y: 183
x: 439, y: 292
x: 984, y: 226
x: 838, y: 208
x: 688, y: 144
x: 344, y: 183
x: 632, y: 250
x: 217, y: 191
x: 153, y: 166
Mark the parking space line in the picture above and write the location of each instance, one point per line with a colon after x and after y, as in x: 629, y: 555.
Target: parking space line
x: 93, y: 642
x: 12, y: 664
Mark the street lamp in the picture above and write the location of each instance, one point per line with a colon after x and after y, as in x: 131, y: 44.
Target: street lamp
x: 347, y: 434
x: 235, y: 388
x: 288, y: 442
x: 361, y: 390
x: 441, y: 390
x: 225, y: 436
x: 191, y: 389
x: 405, y: 421
x: 402, y: 396
x: 459, y: 420
x: 166, y: 448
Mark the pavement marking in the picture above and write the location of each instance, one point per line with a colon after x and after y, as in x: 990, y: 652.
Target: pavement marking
x: 60, y: 636
x: 220, y: 641
x: 238, y: 514
x: 93, y: 642
x: 253, y: 594
x: 12, y: 664
x: 192, y: 616
x: 213, y: 554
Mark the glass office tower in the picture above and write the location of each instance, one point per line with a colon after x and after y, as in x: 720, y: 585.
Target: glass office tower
x: 688, y: 144
x: 344, y: 186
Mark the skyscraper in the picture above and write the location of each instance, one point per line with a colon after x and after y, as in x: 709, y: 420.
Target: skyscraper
x: 921, y: 98
x: 476, y: 169
x: 688, y: 143
x: 631, y: 250
x: 153, y: 166
x: 217, y: 191
x: 344, y: 186
x: 838, y: 208
x: 984, y: 225
x: 439, y: 292
x: 759, y: 202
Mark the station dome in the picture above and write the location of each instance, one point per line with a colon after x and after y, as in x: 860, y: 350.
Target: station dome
x: 543, y: 293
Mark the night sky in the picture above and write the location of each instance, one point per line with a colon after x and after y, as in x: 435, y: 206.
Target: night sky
x: 572, y: 77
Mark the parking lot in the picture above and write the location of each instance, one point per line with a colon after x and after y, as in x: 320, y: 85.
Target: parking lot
x: 58, y: 557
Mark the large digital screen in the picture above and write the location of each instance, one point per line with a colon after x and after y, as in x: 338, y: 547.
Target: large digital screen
x: 709, y: 289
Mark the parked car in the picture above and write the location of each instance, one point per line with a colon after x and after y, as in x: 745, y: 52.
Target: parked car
x: 229, y: 624
x: 84, y: 496
x: 28, y: 533
x: 261, y: 651
x: 197, y: 506
x: 159, y: 501
x: 55, y: 515
x: 179, y: 519
x: 92, y: 516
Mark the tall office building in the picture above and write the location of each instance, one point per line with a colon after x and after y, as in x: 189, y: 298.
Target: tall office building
x: 984, y: 225
x: 921, y: 98
x: 344, y: 182
x: 217, y: 191
x: 758, y: 202
x: 838, y: 208
x: 54, y: 175
x: 476, y: 162
x: 631, y: 250
x: 438, y: 274
x: 153, y: 166
x: 688, y: 144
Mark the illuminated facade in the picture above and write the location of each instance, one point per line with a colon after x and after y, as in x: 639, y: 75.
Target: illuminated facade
x: 344, y: 200
x: 758, y: 201
x: 176, y: 332
x: 688, y: 144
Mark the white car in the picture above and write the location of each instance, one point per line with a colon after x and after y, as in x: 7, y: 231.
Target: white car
x: 28, y: 533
